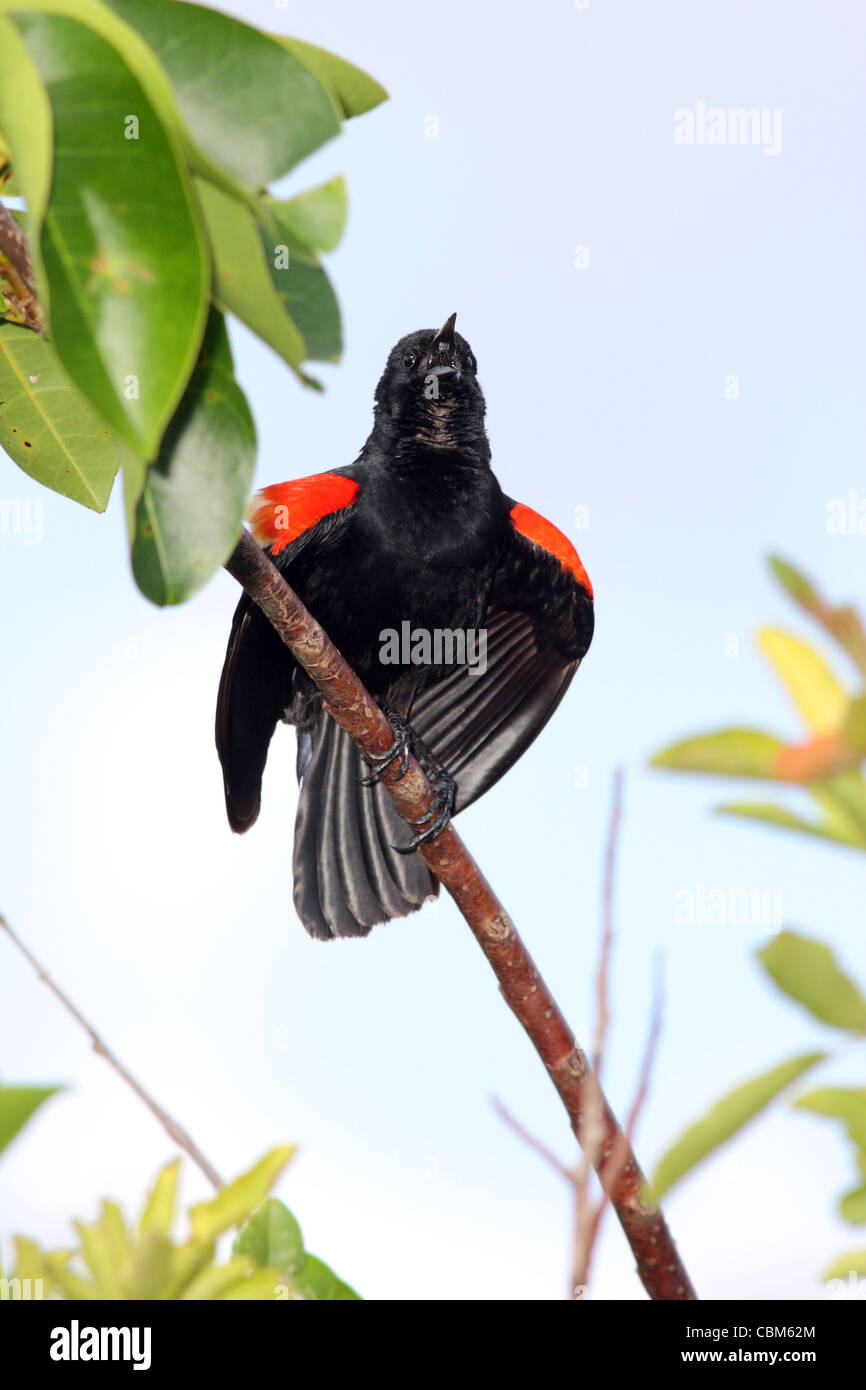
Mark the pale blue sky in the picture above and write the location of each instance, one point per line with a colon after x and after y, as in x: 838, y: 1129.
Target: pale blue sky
x: 606, y: 390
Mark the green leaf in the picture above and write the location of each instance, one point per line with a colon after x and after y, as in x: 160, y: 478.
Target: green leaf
x: 852, y: 1207
x: 848, y: 1105
x: 289, y: 241
x: 235, y: 1202
x: 795, y: 583
x: 817, y: 694
x: 159, y: 1211
x: 123, y: 255
x: 250, y: 105
x: 842, y: 623
x: 355, y: 90
x: 725, y: 1119
x: 315, y: 220
x: 272, y: 1237
x: 854, y: 726
x: 191, y: 511
x: 242, y: 278
x: 306, y: 294
x: 844, y: 799
x: 315, y: 1280
x: 26, y: 123
x: 17, y: 1104
x: 839, y: 1103
x: 47, y: 426
x: 829, y: 829
x: 137, y: 55
x: 732, y: 752
x: 807, y: 971
x: 853, y: 1262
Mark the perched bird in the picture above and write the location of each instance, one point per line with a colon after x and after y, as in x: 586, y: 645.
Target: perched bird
x: 465, y: 614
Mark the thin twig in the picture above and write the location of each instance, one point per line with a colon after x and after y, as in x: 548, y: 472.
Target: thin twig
x: 531, y: 1142
x: 175, y: 1131
x: 586, y: 1214
x: 602, y: 1021
x: 650, y: 1051
x: 588, y: 1229
x: 525, y: 992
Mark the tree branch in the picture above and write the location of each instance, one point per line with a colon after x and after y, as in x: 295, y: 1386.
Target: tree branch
x: 18, y: 298
x: 658, y: 1263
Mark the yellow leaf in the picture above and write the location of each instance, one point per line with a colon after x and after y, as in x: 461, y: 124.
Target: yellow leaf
x: 158, y: 1214
x: 235, y: 1202
x: 213, y: 1282
x: 816, y: 692
x: 263, y: 1285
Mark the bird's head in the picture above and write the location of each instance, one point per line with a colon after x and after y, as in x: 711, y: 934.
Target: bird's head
x: 429, y: 390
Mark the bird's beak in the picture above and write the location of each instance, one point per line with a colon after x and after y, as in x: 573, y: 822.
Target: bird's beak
x: 442, y: 357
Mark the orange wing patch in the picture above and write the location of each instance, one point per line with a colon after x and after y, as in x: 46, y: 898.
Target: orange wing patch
x: 283, y: 512
x: 542, y: 532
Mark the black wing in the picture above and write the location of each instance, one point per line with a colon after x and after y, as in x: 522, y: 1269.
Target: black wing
x: 539, y: 623
x: 260, y: 682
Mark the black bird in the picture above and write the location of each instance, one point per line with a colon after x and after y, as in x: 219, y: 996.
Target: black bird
x: 464, y: 613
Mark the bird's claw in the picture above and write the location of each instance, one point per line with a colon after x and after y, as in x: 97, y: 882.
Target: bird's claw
x: 399, y: 749
x: 438, y: 813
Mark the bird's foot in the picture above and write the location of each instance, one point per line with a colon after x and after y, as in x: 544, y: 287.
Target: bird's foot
x: 438, y: 813
x: 400, y: 748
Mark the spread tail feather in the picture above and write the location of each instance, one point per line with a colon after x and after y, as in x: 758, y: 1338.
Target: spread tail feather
x: 347, y: 875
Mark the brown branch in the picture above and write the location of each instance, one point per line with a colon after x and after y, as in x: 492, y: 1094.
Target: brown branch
x: 175, y: 1131
x: 659, y: 1266
x: 588, y: 1217
x: 20, y: 302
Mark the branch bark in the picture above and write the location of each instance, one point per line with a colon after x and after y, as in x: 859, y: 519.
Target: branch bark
x: 658, y: 1264
x: 20, y: 303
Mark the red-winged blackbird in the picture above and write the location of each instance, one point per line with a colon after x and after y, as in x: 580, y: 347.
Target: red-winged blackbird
x: 464, y: 613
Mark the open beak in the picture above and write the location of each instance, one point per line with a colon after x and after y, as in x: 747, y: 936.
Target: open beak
x: 442, y: 357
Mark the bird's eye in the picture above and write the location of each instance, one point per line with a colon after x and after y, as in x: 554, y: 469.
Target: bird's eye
x: 410, y: 359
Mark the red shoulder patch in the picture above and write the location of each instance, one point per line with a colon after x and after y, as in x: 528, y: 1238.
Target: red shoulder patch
x: 542, y: 532
x: 281, y: 513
